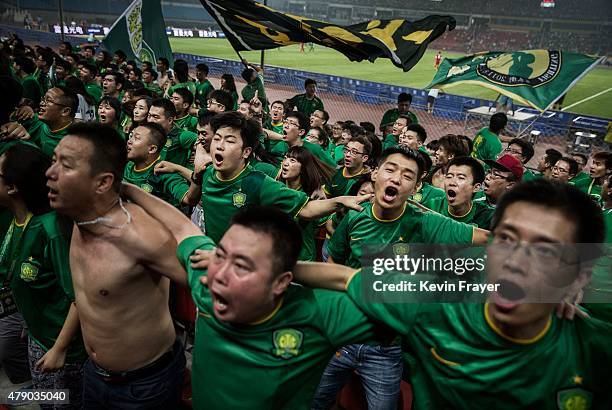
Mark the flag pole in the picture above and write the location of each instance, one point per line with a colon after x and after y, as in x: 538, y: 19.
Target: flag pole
x: 61, y: 16
x: 263, y: 52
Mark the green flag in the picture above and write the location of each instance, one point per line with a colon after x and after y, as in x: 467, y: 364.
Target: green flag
x: 249, y: 25
x: 532, y: 77
x: 140, y: 32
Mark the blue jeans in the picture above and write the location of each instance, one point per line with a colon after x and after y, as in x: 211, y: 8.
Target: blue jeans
x: 159, y: 390
x: 380, y: 370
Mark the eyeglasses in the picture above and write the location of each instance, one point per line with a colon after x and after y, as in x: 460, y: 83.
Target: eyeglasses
x: 295, y: 124
x: 46, y: 101
x: 513, y: 151
x: 352, y: 151
x: 497, y: 175
x: 213, y: 102
x: 560, y: 170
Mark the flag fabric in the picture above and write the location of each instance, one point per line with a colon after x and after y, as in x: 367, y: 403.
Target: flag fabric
x: 140, y: 32
x: 249, y: 25
x: 532, y: 77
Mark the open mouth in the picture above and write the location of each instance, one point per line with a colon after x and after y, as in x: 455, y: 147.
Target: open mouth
x: 220, y: 304
x: 53, y: 193
x: 218, y: 159
x: 390, y: 194
x: 102, y: 117
x: 508, y: 295
x: 451, y: 195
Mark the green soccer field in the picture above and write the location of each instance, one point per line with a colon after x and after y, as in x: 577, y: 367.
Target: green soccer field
x: 328, y: 61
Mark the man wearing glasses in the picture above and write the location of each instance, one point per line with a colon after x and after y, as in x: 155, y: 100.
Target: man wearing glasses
x: 56, y: 113
x: 523, y: 151
x: 564, y: 170
x: 356, y: 154
x: 502, y: 175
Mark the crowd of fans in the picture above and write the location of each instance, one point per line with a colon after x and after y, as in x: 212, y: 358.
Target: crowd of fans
x: 119, y: 177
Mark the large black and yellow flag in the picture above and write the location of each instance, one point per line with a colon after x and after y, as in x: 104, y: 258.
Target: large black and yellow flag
x: 249, y: 25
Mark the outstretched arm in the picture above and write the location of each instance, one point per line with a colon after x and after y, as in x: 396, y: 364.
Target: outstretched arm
x: 323, y: 275
x: 177, y: 223
x: 323, y: 207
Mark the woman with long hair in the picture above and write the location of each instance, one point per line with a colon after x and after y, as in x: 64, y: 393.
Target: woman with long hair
x: 140, y: 112
x: 229, y: 85
x: 87, y: 106
x: 302, y: 171
x: 34, y: 265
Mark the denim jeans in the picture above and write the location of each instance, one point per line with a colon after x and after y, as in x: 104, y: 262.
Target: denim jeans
x: 14, y: 348
x: 160, y: 390
x: 380, y: 371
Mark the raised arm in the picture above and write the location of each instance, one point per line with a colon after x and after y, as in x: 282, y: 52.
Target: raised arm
x: 323, y: 275
x: 323, y: 207
x: 177, y: 223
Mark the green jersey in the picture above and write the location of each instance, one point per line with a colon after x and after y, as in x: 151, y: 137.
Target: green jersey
x: 393, y: 114
x: 529, y: 175
x: 221, y: 199
x: 190, y: 85
x: 413, y: 226
x: 427, y: 193
x: 390, y: 141
x: 487, y: 145
x: 281, y: 358
x: 202, y: 91
x: 42, y: 136
x: 32, y: 89
x: 248, y: 91
x: 172, y: 188
x: 459, y: 359
x: 341, y: 183
x: 95, y: 91
x: 269, y: 144
x: 581, y: 176
x: 306, y: 105
x: 480, y: 214
x: 154, y: 88
x: 36, y: 258
x: 317, y: 151
x: 187, y: 123
x: 588, y: 186
x: 339, y: 154
x: 268, y: 169
x: 179, y: 145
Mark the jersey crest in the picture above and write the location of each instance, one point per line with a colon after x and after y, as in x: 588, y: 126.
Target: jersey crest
x: 28, y: 271
x: 147, y: 188
x: 287, y: 343
x: 574, y: 398
x: 239, y: 199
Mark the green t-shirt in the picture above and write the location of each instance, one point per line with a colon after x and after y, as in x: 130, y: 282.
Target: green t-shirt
x: 427, y: 193
x: 480, y: 213
x: 187, y: 123
x: 456, y: 358
x: 339, y: 154
x: 390, y: 141
x: 413, y: 226
x: 95, y: 91
x: 202, y: 91
x: 529, y: 175
x: 154, y: 88
x: 190, y: 85
x: 581, y: 176
x: 32, y: 89
x: 41, y: 135
x: 41, y: 281
x: 275, y: 146
x: 486, y: 145
x: 306, y: 105
x: 178, y: 146
x: 169, y: 187
x: 281, y: 359
x: 341, y: 183
x: 588, y: 186
x: 268, y: 169
x: 317, y: 151
x: 393, y: 114
x: 248, y: 91
x: 222, y: 199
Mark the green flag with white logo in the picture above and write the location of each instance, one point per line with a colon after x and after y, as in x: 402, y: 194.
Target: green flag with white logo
x: 532, y: 77
x: 140, y: 32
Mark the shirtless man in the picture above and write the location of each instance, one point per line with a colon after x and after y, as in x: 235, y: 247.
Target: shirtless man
x: 120, y: 278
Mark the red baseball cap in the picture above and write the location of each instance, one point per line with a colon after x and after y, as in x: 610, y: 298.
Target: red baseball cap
x: 507, y: 163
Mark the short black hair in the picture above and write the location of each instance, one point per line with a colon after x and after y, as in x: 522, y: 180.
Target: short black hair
x: 222, y: 97
x: 367, y: 126
x: 478, y: 173
x: 363, y: 140
x: 69, y: 98
x: 309, y: 81
x: 573, y: 203
x: 185, y: 94
x: 582, y: 156
x: 64, y: 64
x: 93, y: 70
x: 552, y: 156
x: 90, y: 48
x: 282, y: 229
x: 181, y: 70
x: 109, y: 149
x: 455, y: 145
x: 114, y: 103
x: 68, y: 45
x: 405, y: 117
x: 426, y: 161
x: 571, y: 162
x: 498, y: 122
x: 164, y: 61
x: 26, y: 64
x: 119, y: 78
x: 205, y: 117
x: 406, y: 152
x: 526, y: 148
x: 25, y: 166
x: 121, y: 54
x: 250, y: 130
x: 166, y: 104
x: 202, y: 67
x: 302, y: 119
x: 419, y: 130
x: 137, y: 71
x: 157, y: 135
x: 151, y: 71
x: 404, y: 97
x: 604, y: 156
x: 352, y: 129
